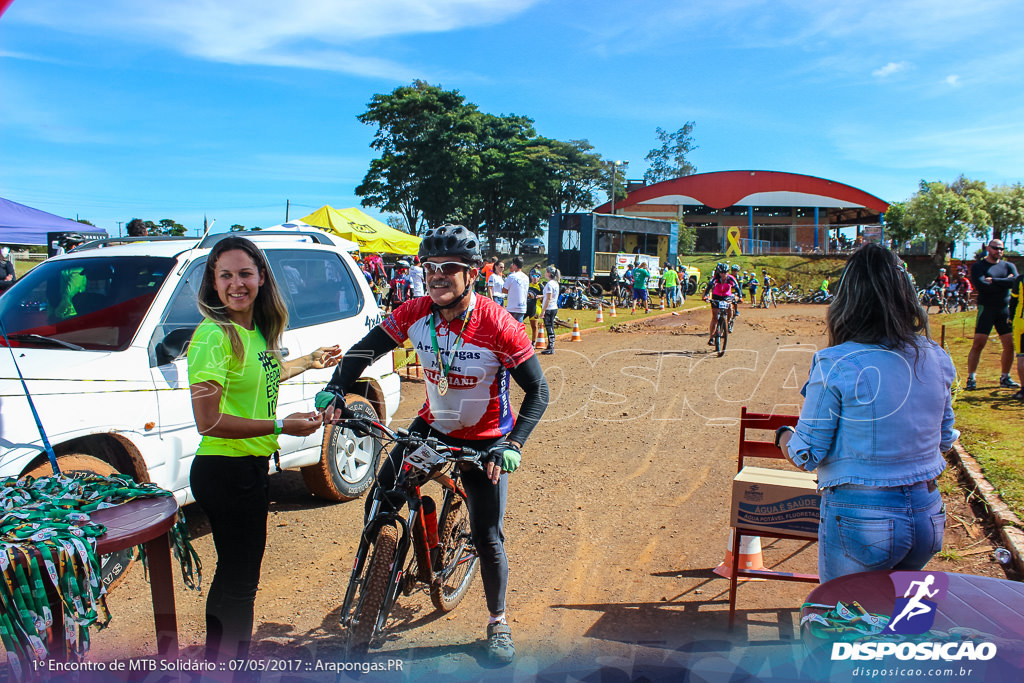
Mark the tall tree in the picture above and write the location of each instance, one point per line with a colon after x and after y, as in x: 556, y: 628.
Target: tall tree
x: 425, y: 136
x: 1005, y: 205
x: 941, y: 213
x: 576, y: 174
x: 669, y: 161
x: 170, y: 228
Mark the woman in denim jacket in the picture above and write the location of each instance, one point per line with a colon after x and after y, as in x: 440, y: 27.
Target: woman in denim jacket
x: 876, y: 419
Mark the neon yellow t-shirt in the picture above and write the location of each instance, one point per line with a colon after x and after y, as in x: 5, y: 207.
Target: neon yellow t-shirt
x: 250, y: 385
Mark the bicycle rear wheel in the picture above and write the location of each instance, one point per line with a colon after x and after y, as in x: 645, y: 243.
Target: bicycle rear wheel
x: 374, y: 592
x: 721, y: 336
x: 457, y: 557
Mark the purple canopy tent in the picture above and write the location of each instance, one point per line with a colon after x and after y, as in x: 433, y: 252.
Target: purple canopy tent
x: 20, y: 224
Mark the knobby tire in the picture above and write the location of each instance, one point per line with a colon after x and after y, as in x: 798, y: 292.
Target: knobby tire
x: 721, y: 336
x: 458, y: 559
x: 375, y: 590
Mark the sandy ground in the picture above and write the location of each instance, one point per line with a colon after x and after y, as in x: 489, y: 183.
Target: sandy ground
x: 615, y: 521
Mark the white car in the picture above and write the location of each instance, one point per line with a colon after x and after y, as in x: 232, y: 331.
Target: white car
x: 100, y: 336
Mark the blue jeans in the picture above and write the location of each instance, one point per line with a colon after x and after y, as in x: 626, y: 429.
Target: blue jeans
x: 867, y: 528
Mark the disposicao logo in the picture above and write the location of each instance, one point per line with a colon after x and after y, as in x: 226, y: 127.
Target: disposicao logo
x: 917, y: 598
x: 915, y: 611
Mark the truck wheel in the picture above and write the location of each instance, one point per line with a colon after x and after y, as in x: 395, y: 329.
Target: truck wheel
x: 348, y: 461
x: 113, y: 567
x: 691, y: 286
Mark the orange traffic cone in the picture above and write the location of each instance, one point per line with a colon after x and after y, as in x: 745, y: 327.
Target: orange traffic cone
x: 600, y: 314
x: 750, y: 557
x: 661, y: 307
x: 612, y: 315
x: 576, y: 336
x: 541, y: 339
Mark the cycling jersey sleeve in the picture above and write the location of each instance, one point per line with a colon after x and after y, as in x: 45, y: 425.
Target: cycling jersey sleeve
x: 530, y: 378
x: 368, y: 349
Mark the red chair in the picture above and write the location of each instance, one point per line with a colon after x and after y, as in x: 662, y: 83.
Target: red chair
x: 758, y: 448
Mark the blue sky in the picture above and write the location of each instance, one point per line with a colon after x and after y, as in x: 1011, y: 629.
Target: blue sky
x: 117, y: 109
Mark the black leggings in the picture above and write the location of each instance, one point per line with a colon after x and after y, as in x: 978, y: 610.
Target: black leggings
x: 549, y: 325
x: 486, y: 511
x: 234, y: 494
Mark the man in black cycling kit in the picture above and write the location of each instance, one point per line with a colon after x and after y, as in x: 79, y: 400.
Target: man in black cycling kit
x: 469, y: 347
x: 992, y: 278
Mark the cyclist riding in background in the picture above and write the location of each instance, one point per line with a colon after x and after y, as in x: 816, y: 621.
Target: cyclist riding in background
x: 469, y: 346
x: 737, y: 290
x: 752, y: 286
x: 767, y: 282
x: 942, y: 280
x: 720, y: 286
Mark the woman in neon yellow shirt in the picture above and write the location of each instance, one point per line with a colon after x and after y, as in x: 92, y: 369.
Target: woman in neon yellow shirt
x: 234, y: 368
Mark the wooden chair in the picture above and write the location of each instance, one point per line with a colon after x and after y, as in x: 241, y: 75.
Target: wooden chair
x: 757, y: 448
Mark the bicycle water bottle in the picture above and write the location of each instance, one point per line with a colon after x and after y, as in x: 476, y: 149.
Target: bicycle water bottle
x: 429, y: 510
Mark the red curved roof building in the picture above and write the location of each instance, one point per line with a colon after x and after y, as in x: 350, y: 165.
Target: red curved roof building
x: 773, y: 211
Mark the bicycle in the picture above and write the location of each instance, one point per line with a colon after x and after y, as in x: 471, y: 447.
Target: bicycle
x: 723, y: 326
x: 444, y: 560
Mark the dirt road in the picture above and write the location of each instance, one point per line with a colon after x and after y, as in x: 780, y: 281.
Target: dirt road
x: 614, y: 523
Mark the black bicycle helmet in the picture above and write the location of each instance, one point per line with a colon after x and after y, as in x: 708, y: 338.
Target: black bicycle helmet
x: 721, y: 268
x: 452, y: 240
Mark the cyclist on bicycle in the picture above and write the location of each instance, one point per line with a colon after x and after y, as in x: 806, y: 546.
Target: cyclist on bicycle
x: 767, y: 282
x: 721, y: 286
x: 469, y: 346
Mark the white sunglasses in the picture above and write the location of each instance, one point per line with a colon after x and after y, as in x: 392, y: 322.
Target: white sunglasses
x: 448, y: 267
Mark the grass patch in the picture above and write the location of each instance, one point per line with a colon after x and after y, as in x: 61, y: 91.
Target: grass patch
x: 949, y: 555
x: 989, y: 420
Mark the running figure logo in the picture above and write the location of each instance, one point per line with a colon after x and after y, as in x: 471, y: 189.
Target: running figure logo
x: 915, y: 612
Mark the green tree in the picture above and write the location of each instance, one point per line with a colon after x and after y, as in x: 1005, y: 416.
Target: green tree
x: 895, y: 224
x: 576, y: 173
x: 1005, y: 205
x: 508, y: 195
x: 687, y: 238
x: 85, y: 222
x: 237, y: 228
x: 669, y: 161
x: 614, y: 172
x: 423, y: 135
x: 944, y: 215
x: 169, y: 228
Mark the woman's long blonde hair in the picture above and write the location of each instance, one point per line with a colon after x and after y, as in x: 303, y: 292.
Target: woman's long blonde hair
x: 269, y: 313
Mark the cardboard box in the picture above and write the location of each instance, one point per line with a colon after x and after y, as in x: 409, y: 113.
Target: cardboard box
x: 785, y: 501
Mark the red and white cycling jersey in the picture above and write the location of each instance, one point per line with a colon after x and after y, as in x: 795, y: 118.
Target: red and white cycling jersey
x: 477, y: 403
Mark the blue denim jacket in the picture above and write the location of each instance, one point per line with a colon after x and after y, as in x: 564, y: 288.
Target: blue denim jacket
x: 874, y: 416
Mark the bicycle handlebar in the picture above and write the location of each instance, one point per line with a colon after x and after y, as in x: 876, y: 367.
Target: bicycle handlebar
x: 364, y: 426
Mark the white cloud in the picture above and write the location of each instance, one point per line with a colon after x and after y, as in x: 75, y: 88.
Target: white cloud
x: 953, y: 80
x: 324, y: 34
x: 890, y: 69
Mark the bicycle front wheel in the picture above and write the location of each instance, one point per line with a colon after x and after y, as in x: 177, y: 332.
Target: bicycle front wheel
x: 374, y: 592
x: 458, y: 558
x: 721, y: 336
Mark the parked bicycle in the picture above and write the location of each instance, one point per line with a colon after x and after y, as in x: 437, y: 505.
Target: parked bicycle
x: 442, y: 560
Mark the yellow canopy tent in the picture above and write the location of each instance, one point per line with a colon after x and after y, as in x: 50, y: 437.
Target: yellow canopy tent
x: 369, y: 233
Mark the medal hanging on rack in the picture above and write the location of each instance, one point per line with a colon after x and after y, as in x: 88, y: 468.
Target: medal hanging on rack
x: 442, y: 382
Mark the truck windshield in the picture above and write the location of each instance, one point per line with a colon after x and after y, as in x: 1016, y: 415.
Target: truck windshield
x: 92, y: 304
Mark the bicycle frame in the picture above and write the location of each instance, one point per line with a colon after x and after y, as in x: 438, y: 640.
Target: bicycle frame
x: 413, y: 536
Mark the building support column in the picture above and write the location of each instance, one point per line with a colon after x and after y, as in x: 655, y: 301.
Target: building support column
x: 750, y: 227
x: 816, y: 228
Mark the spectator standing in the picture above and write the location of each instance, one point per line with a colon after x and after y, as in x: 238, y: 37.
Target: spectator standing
x: 234, y: 369
x: 549, y: 304
x: 7, y: 273
x: 533, y: 296
x: 992, y: 278
x: 1017, y: 316
x: 877, y: 459
x: 640, y: 277
x: 416, y: 277
x: 516, y: 288
x: 496, y: 283
x: 671, y: 286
